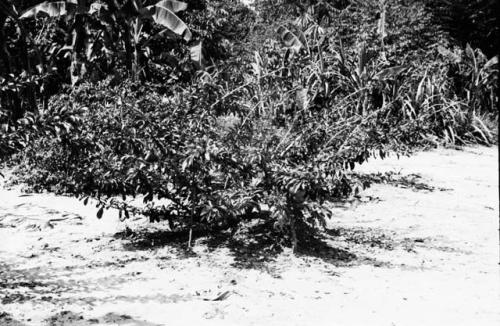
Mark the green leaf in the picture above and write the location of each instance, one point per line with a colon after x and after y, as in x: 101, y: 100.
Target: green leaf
x: 302, y: 100
x: 100, y: 212
x: 469, y: 51
x: 389, y: 73
x: 98, y: 7
x: 197, y: 55
x: 163, y: 13
x: 363, y: 58
x: 289, y: 39
x: 148, y: 197
x: 382, y: 22
x: 454, y: 57
x: 492, y: 62
x: 174, y: 6
x: 51, y: 9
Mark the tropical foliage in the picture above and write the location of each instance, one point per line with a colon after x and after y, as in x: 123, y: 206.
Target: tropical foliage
x: 208, y: 115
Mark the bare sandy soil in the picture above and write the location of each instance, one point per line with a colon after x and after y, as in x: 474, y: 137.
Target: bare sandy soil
x: 420, y: 247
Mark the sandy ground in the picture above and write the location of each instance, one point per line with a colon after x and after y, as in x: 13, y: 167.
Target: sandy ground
x: 420, y: 249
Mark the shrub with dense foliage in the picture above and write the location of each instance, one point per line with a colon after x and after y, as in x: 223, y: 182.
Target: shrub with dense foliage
x: 263, y: 116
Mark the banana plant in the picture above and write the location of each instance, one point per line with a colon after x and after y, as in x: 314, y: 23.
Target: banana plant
x: 21, y: 86
x: 128, y: 17
x: 136, y: 13
x: 75, y: 12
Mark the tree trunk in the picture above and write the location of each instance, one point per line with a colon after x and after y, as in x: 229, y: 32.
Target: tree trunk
x: 294, y: 235
x: 136, y: 35
x: 79, y: 35
x: 128, y: 45
x: 30, y: 89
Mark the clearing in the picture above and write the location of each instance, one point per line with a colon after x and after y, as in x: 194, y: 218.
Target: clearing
x: 420, y: 247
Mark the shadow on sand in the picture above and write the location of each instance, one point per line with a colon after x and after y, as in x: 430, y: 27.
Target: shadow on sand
x: 68, y: 318
x: 252, y: 246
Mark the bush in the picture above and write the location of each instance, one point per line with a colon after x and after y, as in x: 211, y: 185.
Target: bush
x: 271, y: 134
x: 204, y: 157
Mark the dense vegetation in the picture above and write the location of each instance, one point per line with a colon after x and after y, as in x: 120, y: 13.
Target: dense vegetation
x: 214, y: 114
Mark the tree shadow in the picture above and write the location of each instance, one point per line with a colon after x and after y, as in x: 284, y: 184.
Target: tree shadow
x: 68, y: 318
x: 39, y: 286
x: 251, y: 248
x: 366, y: 237
x: 255, y: 245
x: 58, y: 285
x: 318, y: 247
x: 146, y: 239
x: 28, y: 212
x: 412, y: 181
x: 7, y: 320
